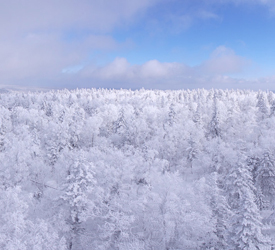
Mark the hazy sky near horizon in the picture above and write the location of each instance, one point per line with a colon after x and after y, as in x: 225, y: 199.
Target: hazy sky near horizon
x: 155, y: 44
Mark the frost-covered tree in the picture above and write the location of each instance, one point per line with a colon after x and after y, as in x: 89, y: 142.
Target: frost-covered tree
x: 221, y: 212
x: 265, y: 181
x: 120, y: 160
x: 272, y: 109
x: 79, y: 184
x: 245, y: 225
x: 262, y: 105
x: 18, y: 231
x: 214, y: 125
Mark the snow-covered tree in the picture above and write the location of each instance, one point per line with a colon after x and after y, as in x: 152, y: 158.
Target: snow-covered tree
x: 265, y: 181
x: 79, y: 184
x: 262, y: 105
x: 245, y: 225
x: 214, y: 125
x: 18, y: 231
x: 221, y: 212
x: 110, y: 169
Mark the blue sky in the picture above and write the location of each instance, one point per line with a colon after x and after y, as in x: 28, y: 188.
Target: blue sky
x: 155, y: 44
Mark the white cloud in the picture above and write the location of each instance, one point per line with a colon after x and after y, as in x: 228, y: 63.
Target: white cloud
x: 35, y: 49
x: 178, y: 16
x: 265, y: 2
x: 268, y: 3
x: 180, y: 19
x: 214, y: 72
x: 223, y: 61
x: 34, y: 44
x: 40, y: 55
x: 33, y: 55
x: 22, y: 16
x: 206, y: 14
x: 120, y: 69
x: 155, y: 69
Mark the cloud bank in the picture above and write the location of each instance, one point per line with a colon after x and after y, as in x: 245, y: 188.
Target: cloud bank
x: 49, y: 44
x: 41, y: 38
x: 18, y: 16
x: 217, y: 70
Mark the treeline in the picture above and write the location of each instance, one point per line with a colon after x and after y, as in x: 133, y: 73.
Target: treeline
x: 120, y: 169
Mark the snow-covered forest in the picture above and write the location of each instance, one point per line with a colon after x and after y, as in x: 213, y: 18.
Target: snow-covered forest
x: 136, y: 170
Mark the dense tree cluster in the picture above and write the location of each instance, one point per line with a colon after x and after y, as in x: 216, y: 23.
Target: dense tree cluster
x: 132, y: 170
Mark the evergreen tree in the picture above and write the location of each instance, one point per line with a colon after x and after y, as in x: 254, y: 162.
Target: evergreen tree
x: 245, y: 225
x: 20, y: 232
x: 221, y: 212
x: 79, y: 184
x: 265, y: 181
x: 272, y: 109
x: 262, y: 105
x: 214, y: 125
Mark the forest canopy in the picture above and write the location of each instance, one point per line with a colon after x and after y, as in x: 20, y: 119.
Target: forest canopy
x: 131, y: 170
